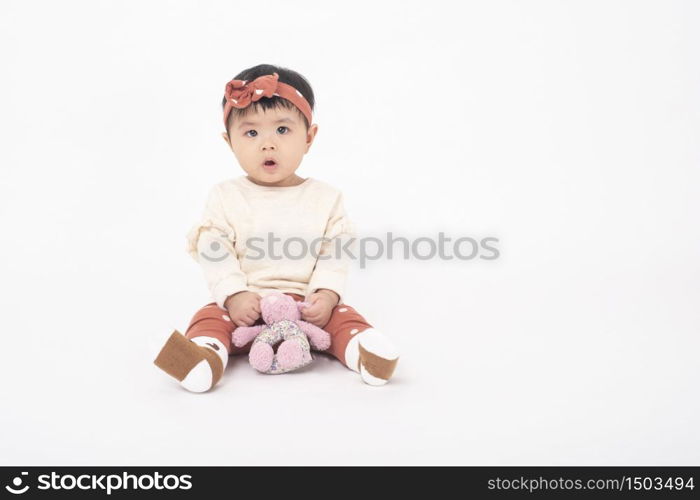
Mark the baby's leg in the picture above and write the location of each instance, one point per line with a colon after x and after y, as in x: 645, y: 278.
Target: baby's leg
x: 198, y: 359
x: 361, y: 347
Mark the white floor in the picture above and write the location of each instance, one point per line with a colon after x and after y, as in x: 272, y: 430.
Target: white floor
x: 506, y: 376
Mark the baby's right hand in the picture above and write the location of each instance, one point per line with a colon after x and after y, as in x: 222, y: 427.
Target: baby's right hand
x: 243, y: 308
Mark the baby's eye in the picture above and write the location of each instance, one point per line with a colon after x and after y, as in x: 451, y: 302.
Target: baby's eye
x: 251, y: 135
x: 282, y: 126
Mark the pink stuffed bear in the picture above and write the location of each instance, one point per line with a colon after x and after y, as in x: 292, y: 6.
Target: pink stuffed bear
x: 282, y: 316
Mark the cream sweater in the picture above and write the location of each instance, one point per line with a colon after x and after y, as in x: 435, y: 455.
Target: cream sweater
x: 252, y: 237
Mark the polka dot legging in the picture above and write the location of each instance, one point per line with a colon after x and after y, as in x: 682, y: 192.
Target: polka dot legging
x: 212, y: 321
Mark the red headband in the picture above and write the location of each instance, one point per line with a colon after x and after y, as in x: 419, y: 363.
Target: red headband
x: 240, y: 95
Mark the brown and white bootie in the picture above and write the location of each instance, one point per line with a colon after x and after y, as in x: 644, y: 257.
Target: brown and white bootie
x: 197, y: 363
x: 373, y: 355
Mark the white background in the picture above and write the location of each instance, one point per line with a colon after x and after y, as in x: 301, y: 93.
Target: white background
x: 568, y: 130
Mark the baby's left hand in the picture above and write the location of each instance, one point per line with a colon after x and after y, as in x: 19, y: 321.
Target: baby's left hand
x: 322, y: 303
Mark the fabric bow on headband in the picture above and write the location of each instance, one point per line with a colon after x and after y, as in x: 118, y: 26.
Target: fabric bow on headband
x: 241, y: 93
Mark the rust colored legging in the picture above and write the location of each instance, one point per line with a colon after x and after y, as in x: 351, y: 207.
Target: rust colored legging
x: 212, y: 321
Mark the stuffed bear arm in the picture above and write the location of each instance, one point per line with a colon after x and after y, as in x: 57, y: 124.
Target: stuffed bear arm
x: 318, y: 338
x: 244, y: 334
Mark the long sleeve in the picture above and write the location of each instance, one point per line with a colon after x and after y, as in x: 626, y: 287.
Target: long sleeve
x: 332, y: 265
x: 211, y: 243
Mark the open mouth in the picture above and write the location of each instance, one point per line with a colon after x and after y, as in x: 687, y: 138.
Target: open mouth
x: 270, y: 164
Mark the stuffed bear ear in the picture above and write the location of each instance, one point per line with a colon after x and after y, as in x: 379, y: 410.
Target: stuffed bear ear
x: 274, y: 296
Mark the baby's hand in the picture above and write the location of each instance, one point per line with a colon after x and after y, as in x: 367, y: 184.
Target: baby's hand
x: 243, y: 308
x: 322, y: 303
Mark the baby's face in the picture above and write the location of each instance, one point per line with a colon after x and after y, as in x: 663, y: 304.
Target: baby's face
x: 276, y: 133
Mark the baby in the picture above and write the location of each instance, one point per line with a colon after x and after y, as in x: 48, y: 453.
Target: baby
x: 268, y: 122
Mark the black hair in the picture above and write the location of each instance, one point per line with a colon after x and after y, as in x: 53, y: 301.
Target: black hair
x: 288, y: 76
